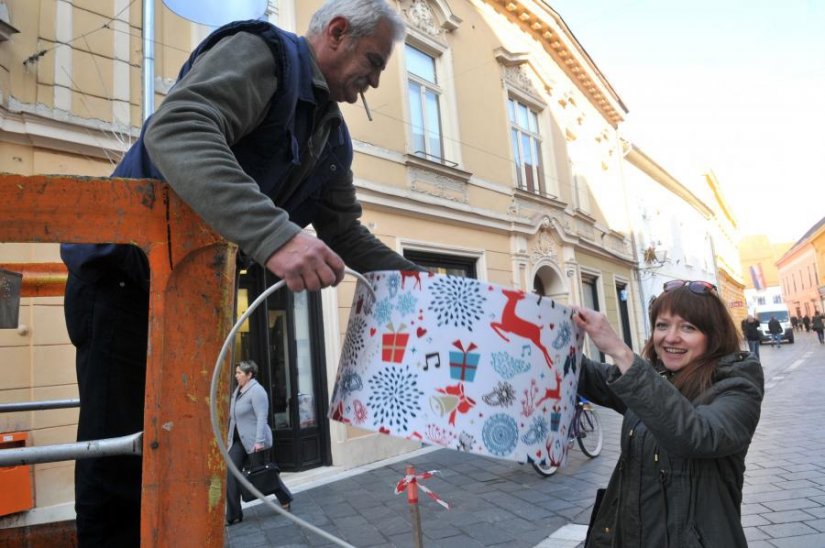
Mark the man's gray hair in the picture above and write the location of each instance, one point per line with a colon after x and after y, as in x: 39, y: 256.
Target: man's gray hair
x: 247, y: 367
x: 363, y: 16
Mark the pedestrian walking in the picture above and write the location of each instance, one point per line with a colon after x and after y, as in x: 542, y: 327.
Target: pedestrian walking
x: 775, y: 329
x: 750, y: 329
x: 818, y: 325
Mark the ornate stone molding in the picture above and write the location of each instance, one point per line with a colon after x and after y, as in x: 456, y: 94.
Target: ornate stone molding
x: 517, y: 77
x: 420, y: 16
x: 545, y: 247
x: 427, y: 182
x: 436, y: 179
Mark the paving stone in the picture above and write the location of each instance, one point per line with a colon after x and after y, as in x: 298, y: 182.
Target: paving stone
x: 780, y: 530
x: 790, y: 504
x: 805, y: 541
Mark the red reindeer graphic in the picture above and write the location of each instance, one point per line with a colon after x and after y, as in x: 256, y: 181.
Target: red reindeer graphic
x: 511, y: 323
x: 415, y: 274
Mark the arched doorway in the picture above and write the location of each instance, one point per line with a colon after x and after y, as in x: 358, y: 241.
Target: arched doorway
x: 547, y: 281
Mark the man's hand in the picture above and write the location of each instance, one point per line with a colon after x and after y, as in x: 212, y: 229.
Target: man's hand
x: 305, y: 262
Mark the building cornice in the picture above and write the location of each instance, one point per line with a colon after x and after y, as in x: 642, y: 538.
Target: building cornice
x: 646, y: 164
x: 44, y: 127
x: 713, y: 183
x: 547, y: 27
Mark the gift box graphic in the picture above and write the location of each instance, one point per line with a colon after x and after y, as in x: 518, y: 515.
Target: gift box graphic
x: 394, y: 344
x: 502, y: 389
x: 555, y: 419
x: 464, y: 364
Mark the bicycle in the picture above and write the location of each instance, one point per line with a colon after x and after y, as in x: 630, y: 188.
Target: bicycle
x: 585, y: 429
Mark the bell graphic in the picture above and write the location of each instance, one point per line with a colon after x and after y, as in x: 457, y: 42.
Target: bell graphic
x: 444, y: 404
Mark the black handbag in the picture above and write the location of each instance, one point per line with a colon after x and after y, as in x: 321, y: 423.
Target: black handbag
x: 265, y: 476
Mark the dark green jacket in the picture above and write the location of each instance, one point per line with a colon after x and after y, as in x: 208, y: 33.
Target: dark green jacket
x: 678, y: 482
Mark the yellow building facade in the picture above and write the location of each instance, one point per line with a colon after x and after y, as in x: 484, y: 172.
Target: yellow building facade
x: 493, y: 152
x: 800, y: 273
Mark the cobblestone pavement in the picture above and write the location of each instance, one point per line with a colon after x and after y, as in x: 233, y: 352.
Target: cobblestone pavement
x: 498, y: 503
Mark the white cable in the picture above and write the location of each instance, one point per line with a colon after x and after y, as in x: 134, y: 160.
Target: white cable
x: 213, y: 396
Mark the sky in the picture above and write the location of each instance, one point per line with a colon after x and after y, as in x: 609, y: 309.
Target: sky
x: 732, y: 86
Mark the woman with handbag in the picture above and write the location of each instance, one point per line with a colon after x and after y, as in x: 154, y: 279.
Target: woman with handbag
x: 691, y: 403
x: 249, y: 432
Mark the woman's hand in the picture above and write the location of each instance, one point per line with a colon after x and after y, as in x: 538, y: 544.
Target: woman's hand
x: 595, y: 324
x: 257, y: 447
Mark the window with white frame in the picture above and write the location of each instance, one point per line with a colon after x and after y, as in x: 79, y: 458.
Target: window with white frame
x: 424, y: 96
x: 526, y: 142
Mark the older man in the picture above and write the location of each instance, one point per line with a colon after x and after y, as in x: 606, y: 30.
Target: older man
x: 251, y: 137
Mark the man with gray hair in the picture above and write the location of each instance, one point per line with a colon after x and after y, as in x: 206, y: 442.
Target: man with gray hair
x: 251, y: 137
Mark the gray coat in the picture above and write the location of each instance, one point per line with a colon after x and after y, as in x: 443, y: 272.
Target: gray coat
x: 678, y: 482
x: 248, y: 412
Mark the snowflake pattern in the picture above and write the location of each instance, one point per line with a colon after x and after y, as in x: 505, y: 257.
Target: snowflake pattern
x: 563, y: 338
x: 394, y: 397
x: 383, y: 311
x: 407, y: 304
x: 457, y: 301
x: 393, y: 283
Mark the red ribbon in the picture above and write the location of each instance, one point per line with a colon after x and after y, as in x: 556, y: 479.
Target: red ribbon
x: 458, y: 344
x: 409, y: 479
x: 465, y: 403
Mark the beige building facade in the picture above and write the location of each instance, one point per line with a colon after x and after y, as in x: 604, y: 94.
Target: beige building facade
x: 493, y: 152
x: 799, y: 271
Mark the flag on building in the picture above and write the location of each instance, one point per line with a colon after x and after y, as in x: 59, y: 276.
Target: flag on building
x: 757, y: 277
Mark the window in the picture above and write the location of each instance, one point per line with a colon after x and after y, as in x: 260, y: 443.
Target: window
x: 590, y: 299
x: 760, y: 300
x: 440, y: 263
x: 526, y: 143
x: 777, y: 299
x: 424, y: 96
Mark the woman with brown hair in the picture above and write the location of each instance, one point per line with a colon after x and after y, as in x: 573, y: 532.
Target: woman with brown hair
x: 691, y: 403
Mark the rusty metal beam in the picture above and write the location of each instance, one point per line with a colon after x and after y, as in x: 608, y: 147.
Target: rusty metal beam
x: 40, y: 279
x: 191, y: 302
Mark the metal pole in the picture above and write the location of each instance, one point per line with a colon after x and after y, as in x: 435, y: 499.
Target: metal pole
x: 37, y: 405
x: 124, y: 445
x: 412, y: 499
x: 148, y: 58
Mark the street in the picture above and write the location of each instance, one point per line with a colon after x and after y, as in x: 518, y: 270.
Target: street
x: 498, y: 503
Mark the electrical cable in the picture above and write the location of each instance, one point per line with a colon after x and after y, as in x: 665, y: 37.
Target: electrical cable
x: 213, y: 412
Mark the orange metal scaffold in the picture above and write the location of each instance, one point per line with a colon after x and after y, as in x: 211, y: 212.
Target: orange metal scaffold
x: 190, y: 312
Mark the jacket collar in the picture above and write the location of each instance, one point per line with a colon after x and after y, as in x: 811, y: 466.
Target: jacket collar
x: 313, y: 87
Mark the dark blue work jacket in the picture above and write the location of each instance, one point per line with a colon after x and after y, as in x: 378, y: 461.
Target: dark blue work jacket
x: 267, y: 154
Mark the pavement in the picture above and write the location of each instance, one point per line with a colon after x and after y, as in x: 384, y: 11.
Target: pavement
x: 500, y: 503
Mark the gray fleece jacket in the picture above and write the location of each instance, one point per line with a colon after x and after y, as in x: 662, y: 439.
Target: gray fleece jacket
x: 225, y: 95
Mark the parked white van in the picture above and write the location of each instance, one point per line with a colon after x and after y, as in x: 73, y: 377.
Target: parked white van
x: 764, y: 312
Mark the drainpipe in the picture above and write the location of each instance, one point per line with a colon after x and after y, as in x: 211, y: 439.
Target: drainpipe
x: 148, y: 58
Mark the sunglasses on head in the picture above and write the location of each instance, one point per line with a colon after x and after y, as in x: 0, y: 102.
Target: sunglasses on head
x: 696, y: 286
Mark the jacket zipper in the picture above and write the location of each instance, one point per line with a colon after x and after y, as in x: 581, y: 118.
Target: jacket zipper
x: 663, y: 487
